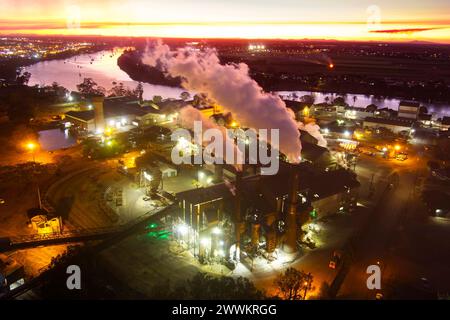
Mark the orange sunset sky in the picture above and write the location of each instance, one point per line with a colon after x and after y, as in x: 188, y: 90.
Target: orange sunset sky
x: 287, y: 19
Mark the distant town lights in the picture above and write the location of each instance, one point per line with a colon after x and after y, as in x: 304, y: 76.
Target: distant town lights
x: 256, y: 47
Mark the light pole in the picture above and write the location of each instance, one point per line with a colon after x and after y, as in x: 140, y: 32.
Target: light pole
x: 31, y: 146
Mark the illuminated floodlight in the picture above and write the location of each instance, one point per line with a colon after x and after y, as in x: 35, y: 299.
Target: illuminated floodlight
x: 221, y: 253
x: 201, y: 175
x: 384, y: 149
x: 90, y: 107
x: 31, y: 146
x: 346, y: 133
x: 205, y: 242
x: 109, y: 143
x: 123, y: 121
x: 209, y: 180
x: 183, y: 143
x: 70, y: 98
x: 397, y: 147
x: 326, y: 131
x: 147, y: 176
x: 216, y: 230
x: 182, y: 229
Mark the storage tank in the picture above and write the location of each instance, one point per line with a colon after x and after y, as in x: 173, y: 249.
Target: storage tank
x: 37, y: 220
x: 55, y: 224
x: 45, y: 228
x: 97, y: 102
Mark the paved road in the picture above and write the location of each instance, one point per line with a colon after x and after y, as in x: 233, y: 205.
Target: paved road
x: 394, y: 225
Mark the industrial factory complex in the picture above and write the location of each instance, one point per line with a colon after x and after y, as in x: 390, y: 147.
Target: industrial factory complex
x: 232, y: 213
x: 196, y: 179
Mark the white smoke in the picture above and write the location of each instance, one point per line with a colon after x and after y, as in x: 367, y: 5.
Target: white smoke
x: 232, y: 88
x: 189, y: 115
x: 314, y: 130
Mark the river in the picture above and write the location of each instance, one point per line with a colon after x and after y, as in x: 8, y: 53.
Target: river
x: 102, y: 67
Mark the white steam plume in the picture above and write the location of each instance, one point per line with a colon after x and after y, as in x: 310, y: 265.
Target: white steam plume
x: 314, y: 130
x: 189, y: 114
x: 232, y: 88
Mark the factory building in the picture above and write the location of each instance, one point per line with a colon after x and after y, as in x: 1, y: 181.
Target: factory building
x: 395, y: 125
x: 409, y: 110
x: 121, y: 113
x: 263, y: 214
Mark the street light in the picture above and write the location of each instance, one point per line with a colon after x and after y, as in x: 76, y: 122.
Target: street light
x: 31, y: 146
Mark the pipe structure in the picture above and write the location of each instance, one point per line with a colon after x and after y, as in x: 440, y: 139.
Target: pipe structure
x: 238, y: 215
x: 290, y: 242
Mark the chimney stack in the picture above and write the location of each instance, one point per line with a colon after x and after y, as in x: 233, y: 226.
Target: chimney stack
x: 290, y: 243
x: 238, y: 217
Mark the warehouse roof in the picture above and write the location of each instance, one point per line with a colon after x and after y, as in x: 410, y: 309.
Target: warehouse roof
x: 401, y: 122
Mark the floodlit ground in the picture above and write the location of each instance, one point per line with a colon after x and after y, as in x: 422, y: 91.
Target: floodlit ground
x: 36, y: 259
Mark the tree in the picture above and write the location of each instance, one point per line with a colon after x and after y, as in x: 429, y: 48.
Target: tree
x: 423, y: 110
x: 157, y: 99
x: 372, y: 108
x: 185, y: 96
x: 89, y: 86
x: 339, y: 101
x: 307, y: 99
x: 354, y: 100
x: 443, y: 148
x: 23, y: 78
x: 21, y: 106
x: 119, y: 90
x: 327, y: 99
x: 294, y: 284
x: 139, y: 91
x: 205, y: 287
x: 59, y: 90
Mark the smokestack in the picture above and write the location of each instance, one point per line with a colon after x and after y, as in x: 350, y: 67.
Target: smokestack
x: 97, y: 102
x: 237, y: 217
x: 218, y: 172
x: 290, y: 243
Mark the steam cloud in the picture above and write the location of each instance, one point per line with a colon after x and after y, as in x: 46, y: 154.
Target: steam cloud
x: 189, y: 114
x: 314, y: 130
x: 231, y: 87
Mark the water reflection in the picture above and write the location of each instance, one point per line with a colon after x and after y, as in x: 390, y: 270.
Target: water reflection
x: 362, y: 101
x: 55, y: 139
x: 101, y: 66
